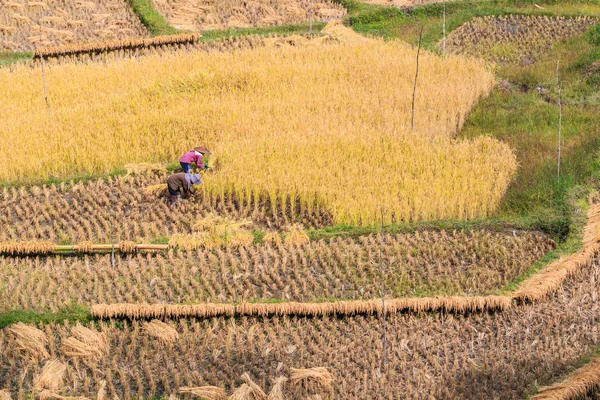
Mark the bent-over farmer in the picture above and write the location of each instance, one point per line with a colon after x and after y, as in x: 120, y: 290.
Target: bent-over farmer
x: 194, y: 156
x: 181, y: 183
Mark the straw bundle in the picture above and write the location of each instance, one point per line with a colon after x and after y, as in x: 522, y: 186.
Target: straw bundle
x: 127, y: 246
x: 156, y: 190
x: 114, y: 45
x: 540, y: 285
x: 204, y: 392
x: 576, y: 385
x: 85, y: 247
x: 30, y: 340
x: 306, y: 377
x: 24, y: 248
x: 273, y: 238
x: 133, y: 311
x: 161, y: 331
x: 5, y: 395
x: 51, y: 376
x: 244, y: 392
x: 295, y: 236
x: 86, y: 344
x: 276, y: 392
x: 255, y: 391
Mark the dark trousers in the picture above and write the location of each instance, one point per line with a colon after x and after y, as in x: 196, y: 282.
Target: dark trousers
x: 173, y: 192
x: 186, y: 167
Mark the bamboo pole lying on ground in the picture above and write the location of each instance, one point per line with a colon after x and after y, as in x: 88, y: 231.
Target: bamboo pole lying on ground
x: 37, y: 248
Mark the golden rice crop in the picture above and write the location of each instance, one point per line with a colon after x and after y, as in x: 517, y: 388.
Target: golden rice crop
x: 297, y: 126
x: 27, y: 25
x: 199, y: 15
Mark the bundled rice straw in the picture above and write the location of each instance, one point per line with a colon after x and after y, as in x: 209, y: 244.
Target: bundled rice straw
x: 24, y: 248
x: 296, y: 236
x: 86, y: 344
x: 30, y: 340
x: 156, y: 190
x: 577, y: 385
x: 244, y: 392
x: 127, y: 246
x: 256, y: 392
x: 51, y: 376
x: 161, y: 331
x: 85, y: 247
x: 204, y: 392
x: 307, y: 376
x: 5, y: 395
x: 276, y: 392
x: 540, y: 285
x: 161, y: 310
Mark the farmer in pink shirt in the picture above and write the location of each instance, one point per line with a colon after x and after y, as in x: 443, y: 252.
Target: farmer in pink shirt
x: 193, y: 156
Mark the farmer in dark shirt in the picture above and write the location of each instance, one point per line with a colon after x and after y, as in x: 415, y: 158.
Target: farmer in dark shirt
x: 181, y: 183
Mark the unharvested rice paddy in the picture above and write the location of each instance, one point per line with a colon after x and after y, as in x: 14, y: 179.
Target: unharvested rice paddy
x: 486, y: 356
x: 415, y: 265
x: 26, y: 25
x: 297, y: 123
x: 514, y: 38
x: 199, y: 15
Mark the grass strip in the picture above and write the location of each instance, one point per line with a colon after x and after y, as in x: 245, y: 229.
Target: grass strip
x: 74, y: 313
x: 151, y: 18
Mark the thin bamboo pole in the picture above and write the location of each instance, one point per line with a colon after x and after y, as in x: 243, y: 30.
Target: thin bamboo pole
x: 109, y: 247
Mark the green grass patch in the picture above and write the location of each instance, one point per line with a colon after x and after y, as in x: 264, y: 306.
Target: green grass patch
x: 283, y: 30
x: 151, y: 18
x: 13, y: 57
x: 71, y: 313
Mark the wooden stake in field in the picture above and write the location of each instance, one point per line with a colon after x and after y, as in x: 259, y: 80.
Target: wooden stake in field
x: 44, y: 86
x: 444, y: 29
x: 558, y: 84
x: 412, y: 113
x: 383, y: 316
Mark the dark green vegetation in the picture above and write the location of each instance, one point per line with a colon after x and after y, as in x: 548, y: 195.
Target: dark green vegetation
x: 11, y: 57
x: 71, y: 313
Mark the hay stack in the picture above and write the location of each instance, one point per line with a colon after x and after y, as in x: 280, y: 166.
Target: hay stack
x: 30, y: 340
x: 311, y: 377
x: 50, y: 379
x: 86, y: 344
x: 164, y: 333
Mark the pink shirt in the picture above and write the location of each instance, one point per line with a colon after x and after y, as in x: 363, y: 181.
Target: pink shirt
x: 191, y: 157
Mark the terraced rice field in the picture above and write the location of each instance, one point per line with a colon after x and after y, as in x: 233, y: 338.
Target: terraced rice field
x: 199, y: 15
x: 514, y: 38
x: 487, y: 356
x: 421, y: 264
x: 26, y: 25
